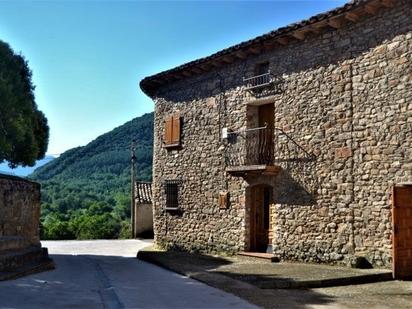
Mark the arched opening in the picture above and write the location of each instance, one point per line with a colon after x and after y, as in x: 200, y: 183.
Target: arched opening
x: 260, y: 232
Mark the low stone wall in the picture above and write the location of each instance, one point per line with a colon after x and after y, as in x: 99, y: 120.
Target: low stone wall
x: 19, y: 209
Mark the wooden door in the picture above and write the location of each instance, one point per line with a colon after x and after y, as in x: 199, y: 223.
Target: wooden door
x: 402, y: 231
x: 267, y: 115
x: 259, y: 218
x: 265, y: 145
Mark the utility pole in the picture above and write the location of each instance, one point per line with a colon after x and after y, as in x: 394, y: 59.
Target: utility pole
x: 133, y: 180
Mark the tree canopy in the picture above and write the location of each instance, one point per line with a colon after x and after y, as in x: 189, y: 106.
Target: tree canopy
x: 24, y: 133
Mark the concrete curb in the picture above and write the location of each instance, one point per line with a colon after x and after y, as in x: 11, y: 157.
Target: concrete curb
x: 220, y: 280
x: 326, y: 283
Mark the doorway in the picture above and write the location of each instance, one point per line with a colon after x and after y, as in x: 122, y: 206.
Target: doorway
x: 266, y: 115
x: 260, y: 223
x: 260, y: 135
x: 402, y: 231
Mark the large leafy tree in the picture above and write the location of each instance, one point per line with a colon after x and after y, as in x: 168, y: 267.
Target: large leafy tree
x: 24, y: 133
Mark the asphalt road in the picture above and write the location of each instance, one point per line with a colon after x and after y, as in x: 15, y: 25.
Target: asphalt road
x: 106, y: 274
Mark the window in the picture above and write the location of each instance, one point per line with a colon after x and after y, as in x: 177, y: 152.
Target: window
x: 262, y: 68
x: 261, y: 78
x: 223, y: 200
x: 172, y: 194
x: 172, y: 131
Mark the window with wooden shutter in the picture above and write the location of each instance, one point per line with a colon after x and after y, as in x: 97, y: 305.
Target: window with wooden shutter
x: 167, y: 140
x: 172, y: 131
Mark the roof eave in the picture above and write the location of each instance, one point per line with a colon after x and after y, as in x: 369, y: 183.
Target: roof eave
x: 349, y: 13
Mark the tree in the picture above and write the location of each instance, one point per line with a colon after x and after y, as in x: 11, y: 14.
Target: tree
x: 24, y: 133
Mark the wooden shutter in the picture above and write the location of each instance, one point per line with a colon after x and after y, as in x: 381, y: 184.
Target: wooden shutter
x: 176, y: 130
x: 168, y: 131
x: 172, y: 131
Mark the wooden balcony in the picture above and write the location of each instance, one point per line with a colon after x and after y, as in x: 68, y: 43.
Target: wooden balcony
x: 253, y: 170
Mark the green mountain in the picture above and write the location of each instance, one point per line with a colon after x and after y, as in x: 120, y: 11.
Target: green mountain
x: 86, y: 190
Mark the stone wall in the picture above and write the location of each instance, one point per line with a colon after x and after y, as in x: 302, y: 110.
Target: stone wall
x: 345, y: 96
x: 19, y: 209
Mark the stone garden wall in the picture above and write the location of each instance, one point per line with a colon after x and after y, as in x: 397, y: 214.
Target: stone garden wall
x: 19, y: 209
x: 345, y: 96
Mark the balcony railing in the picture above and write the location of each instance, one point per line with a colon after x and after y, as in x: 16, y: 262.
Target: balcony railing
x: 258, y: 81
x: 263, y: 146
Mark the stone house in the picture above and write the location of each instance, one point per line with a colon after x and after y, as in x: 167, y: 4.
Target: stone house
x: 292, y: 142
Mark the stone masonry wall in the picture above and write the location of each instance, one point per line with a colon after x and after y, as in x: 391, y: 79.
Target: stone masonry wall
x: 345, y: 97
x: 19, y: 208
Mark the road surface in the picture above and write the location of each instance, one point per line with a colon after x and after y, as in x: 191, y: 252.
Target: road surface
x: 106, y: 274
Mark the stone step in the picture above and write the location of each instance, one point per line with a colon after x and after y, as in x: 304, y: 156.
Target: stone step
x: 28, y: 269
x: 259, y: 255
x: 14, y: 259
x: 13, y: 243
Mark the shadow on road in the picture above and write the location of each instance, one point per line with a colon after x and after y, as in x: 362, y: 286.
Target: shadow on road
x: 96, y: 281
x: 205, y: 268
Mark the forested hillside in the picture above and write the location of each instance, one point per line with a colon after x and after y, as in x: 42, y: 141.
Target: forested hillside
x: 86, y: 191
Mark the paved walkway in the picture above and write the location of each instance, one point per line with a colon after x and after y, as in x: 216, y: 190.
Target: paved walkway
x: 260, y: 272
x: 105, y: 274
x: 251, y: 274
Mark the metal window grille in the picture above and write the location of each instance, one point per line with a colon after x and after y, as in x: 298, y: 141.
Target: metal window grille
x: 172, y: 194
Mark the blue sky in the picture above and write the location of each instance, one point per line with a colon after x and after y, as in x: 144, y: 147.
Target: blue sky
x: 88, y: 57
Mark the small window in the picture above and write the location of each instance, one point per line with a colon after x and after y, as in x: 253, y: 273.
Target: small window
x: 262, y: 68
x: 172, y: 131
x: 223, y: 200
x: 172, y: 194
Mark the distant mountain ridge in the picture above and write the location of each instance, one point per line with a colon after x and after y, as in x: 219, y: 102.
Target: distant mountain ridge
x: 27, y: 170
x: 109, y: 153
